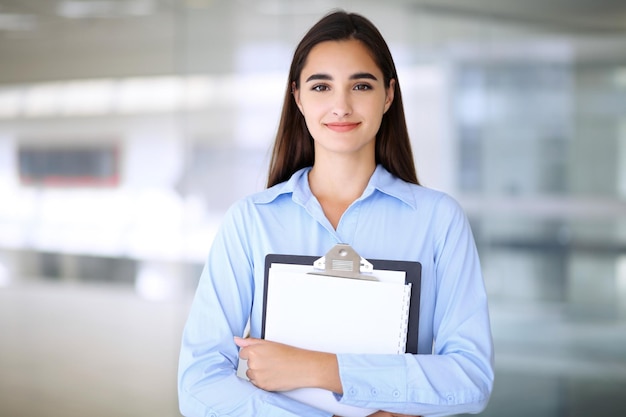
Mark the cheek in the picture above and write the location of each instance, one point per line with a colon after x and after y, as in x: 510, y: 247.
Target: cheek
x: 312, y: 109
x: 309, y: 120
x: 312, y: 124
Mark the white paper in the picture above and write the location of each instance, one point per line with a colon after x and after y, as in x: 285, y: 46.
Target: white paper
x: 326, y: 400
x: 330, y: 314
x: 338, y: 315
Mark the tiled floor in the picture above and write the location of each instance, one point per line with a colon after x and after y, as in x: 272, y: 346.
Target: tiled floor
x: 71, y: 350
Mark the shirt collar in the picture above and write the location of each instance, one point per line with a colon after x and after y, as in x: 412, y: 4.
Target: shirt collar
x: 298, y: 185
x: 385, y: 182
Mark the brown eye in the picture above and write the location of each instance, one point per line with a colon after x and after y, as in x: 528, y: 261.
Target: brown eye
x: 320, y: 88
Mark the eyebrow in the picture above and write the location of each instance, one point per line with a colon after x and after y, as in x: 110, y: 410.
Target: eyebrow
x: 357, y: 76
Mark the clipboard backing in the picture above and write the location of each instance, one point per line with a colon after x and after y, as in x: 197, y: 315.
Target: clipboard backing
x: 413, y: 276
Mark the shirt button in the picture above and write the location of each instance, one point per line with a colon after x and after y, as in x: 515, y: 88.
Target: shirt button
x: 374, y: 392
x: 396, y: 393
x: 352, y: 392
x: 450, y: 398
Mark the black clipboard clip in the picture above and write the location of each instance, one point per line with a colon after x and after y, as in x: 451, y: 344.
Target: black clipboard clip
x: 344, y: 262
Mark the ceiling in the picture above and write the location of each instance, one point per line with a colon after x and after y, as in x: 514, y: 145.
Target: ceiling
x: 66, y: 39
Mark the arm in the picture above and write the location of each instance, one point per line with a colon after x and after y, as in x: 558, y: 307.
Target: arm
x: 458, y: 376
x: 278, y: 367
x: 207, y: 380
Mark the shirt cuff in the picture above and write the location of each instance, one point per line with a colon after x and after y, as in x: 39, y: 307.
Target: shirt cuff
x: 372, y: 380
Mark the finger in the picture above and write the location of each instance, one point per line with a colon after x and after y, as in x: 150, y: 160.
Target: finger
x: 250, y: 376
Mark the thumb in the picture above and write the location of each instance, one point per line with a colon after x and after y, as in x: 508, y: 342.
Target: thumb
x: 249, y: 341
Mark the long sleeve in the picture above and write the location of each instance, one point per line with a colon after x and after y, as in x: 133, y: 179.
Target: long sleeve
x: 458, y: 376
x: 207, y: 381
x: 453, y: 370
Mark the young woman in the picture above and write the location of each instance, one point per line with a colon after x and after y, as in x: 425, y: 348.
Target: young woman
x: 341, y: 172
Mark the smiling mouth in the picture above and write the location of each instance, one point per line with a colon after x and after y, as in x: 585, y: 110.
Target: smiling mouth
x: 342, y: 127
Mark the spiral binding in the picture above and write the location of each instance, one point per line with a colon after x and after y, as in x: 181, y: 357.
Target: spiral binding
x: 406, y: 303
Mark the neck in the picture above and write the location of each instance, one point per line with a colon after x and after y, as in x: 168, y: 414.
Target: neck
x: 340, y: 180
x: 337, y: 185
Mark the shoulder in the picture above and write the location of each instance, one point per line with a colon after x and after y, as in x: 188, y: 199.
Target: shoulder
x: 439, y: 206
x: 296, y: 184
x: 437, y: 199
x: 273, y: 196
x: 417, y: 197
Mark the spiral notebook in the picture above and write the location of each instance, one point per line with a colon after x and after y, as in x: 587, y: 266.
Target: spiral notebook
x: 341, y: 303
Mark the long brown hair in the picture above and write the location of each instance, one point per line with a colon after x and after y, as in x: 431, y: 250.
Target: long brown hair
x: 293, y: 147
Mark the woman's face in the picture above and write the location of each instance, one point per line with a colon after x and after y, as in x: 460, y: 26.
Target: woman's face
x: 342, y: 96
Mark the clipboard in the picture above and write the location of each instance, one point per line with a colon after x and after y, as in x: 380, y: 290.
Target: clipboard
x: 342, y: 268
x: 333, y: 265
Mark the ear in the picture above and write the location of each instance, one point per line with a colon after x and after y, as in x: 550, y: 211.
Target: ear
x: 390, y: 94
x: 296, y: 95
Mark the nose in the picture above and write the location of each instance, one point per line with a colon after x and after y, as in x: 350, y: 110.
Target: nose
x: 342, y: 106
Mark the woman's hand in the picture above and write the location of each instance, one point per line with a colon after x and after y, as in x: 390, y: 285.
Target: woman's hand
x: 277, y: 367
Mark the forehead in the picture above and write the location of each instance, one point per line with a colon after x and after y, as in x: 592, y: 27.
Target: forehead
x: 346, y: 56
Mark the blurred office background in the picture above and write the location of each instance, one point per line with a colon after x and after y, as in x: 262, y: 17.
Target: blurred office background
x: 127, y: 127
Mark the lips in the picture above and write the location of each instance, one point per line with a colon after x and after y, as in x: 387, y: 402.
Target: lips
x: 342, y: 127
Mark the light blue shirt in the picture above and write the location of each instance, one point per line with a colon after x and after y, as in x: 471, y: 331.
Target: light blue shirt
x: 453, y: 370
